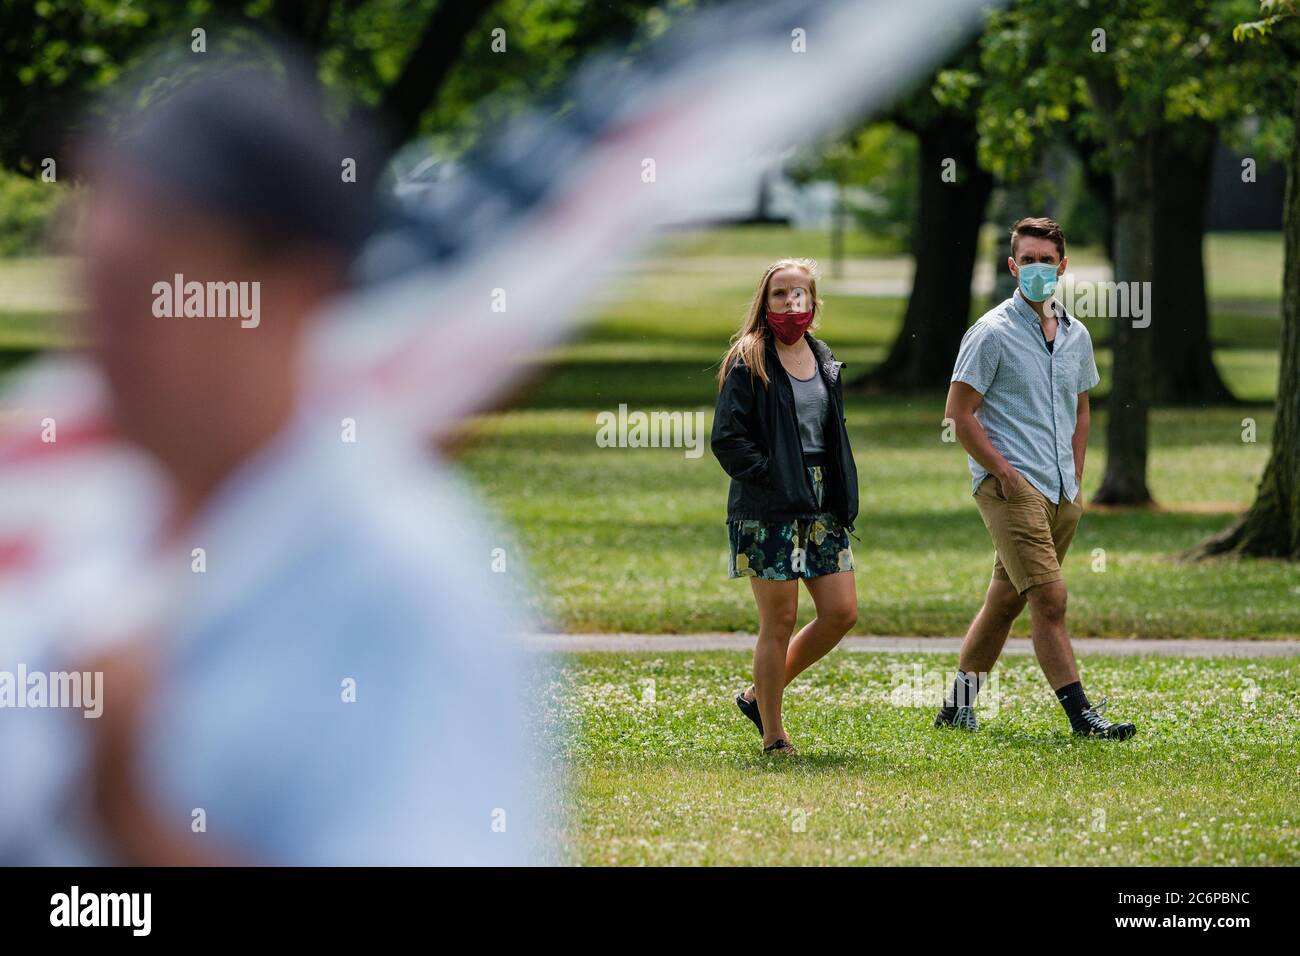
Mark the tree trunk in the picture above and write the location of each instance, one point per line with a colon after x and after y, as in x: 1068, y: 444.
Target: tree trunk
x: 761, y: 213
x: 837, y: 231
x: 1015, y: 205
x: 428, y: 66
x: 1185, y: 373
x: 1100, y: 187
x: 944, y: 241
x: 1127, y: 439
x: 1271, y: 528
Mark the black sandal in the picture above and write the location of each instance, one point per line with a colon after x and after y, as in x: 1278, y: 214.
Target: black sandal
x: 782, y: 746
x: 750, y: 709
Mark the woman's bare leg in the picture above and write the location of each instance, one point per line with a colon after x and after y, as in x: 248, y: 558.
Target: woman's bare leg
x: 778, y: 606
x: 836, y: 598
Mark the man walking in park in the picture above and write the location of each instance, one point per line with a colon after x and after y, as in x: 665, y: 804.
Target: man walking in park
x: 1019, y: 403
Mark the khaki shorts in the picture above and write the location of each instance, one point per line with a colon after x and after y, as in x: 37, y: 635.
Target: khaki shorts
x: 1030, y: 533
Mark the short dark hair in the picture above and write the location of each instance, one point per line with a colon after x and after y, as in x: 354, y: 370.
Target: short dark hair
x: 247, y: 138
x: 1039, y: 226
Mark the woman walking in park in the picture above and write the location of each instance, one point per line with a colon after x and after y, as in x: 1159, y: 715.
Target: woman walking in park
x: 778, y: 431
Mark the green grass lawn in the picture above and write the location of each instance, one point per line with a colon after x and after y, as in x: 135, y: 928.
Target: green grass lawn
x: 634, y: 538
x: 666, y: 771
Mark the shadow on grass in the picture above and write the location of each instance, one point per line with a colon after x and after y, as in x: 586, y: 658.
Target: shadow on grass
x: 643, y: 386
x: 1059, y: 739
x: 11, y: 358
x: 803, y: 762
x: 897, y: 532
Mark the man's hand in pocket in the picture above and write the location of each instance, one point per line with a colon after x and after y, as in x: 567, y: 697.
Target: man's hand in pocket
x: 1010, y: 481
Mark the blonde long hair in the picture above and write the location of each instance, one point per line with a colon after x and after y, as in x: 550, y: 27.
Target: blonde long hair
x: 749, y: 344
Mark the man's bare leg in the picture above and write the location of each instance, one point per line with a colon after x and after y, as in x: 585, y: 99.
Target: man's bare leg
x: 1051, y: 639
x: 988, y: 632
x: 985, y: 638
x: 1056, y: 657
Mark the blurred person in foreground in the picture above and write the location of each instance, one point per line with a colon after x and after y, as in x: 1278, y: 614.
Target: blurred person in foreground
x: 334, y: 678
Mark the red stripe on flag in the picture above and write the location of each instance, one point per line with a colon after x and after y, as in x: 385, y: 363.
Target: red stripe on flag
x: 77, y: 437
x: 16, y: 553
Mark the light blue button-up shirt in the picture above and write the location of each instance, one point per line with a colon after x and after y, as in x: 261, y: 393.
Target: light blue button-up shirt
x: 1031, y: 393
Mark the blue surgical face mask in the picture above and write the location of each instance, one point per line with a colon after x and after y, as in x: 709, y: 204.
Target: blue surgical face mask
x: 1037, y: 281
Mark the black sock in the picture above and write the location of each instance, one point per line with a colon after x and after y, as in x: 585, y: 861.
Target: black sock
x: 1074, y: 701
x: 964, y: 688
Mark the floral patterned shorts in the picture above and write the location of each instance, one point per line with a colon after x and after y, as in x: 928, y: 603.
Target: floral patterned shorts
x: 789, y: 550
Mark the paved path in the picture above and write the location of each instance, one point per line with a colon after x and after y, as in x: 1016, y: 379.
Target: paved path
x: 1171, y: 647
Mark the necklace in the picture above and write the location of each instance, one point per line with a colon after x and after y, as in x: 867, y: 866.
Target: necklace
x: 800, y: 367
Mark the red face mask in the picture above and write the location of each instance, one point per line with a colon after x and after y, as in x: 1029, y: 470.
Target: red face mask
x: 789, y: 327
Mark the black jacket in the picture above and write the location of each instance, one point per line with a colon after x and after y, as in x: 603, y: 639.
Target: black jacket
x: 756, y: 440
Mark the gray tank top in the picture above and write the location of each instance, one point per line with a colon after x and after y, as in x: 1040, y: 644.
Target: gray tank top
x: 810, y: 405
